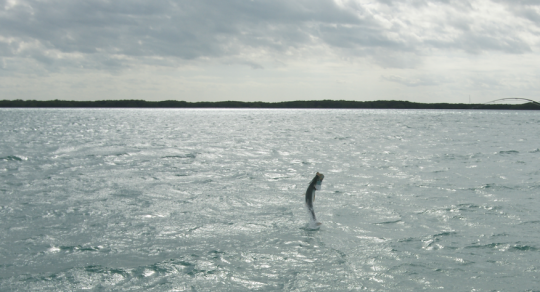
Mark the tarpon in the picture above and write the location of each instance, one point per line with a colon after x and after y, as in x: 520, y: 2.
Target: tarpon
x: 314, y: 185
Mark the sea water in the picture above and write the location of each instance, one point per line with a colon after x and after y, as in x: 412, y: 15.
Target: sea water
x: 213, y: 200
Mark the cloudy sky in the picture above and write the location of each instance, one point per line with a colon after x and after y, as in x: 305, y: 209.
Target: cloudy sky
x: 270, y: 50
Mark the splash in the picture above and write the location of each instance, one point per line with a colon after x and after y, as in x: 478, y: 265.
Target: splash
x: 312, y: 224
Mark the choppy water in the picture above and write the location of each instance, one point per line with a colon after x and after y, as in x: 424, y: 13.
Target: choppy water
x: 212, y: 200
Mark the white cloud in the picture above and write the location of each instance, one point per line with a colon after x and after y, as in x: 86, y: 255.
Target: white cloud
x: 414, y: 81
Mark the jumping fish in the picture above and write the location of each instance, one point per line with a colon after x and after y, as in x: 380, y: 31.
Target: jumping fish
x: 314, y: 185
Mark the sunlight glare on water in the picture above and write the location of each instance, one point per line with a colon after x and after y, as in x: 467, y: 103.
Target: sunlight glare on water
x: 213, y: 200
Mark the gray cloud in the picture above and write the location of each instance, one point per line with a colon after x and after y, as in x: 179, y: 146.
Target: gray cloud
x: 114, y: 34
x: 527, y: 9
x: 182, y: 29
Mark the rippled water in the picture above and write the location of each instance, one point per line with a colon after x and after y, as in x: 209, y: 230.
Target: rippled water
x: 212, y: 200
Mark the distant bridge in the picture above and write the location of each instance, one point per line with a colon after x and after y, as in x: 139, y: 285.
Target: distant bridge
x: 515, y: 98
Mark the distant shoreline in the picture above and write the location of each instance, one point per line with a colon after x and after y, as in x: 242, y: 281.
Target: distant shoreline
x: 299, y: 104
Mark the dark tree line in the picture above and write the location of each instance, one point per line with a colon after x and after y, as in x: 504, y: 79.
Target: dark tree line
x: 326, y: 104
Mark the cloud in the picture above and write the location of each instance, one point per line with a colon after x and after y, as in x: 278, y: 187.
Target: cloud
x: 121, y: 33
x: 412, y: 82
x: 527, y: 9
x: 290, y: 47
x: 183, y: 29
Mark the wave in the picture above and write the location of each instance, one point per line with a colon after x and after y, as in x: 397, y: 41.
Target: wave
x: 98, y: 277
x: 190, y: 155
x: 472, y: 208
x: 530, y: 222
x: 523, y: 248
x: 446, y: 233
x: 509, y: 152
x: 14, y: 158
x: 504, y: 247
x: 498, y: 187
x: 77, y: 249
x: 203, y: 181
x: 388, y: 222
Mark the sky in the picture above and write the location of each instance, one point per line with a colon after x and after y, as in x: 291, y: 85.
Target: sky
x: 430, y: 51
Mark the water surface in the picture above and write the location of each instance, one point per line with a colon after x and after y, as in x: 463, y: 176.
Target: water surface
x: 212, y: 200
